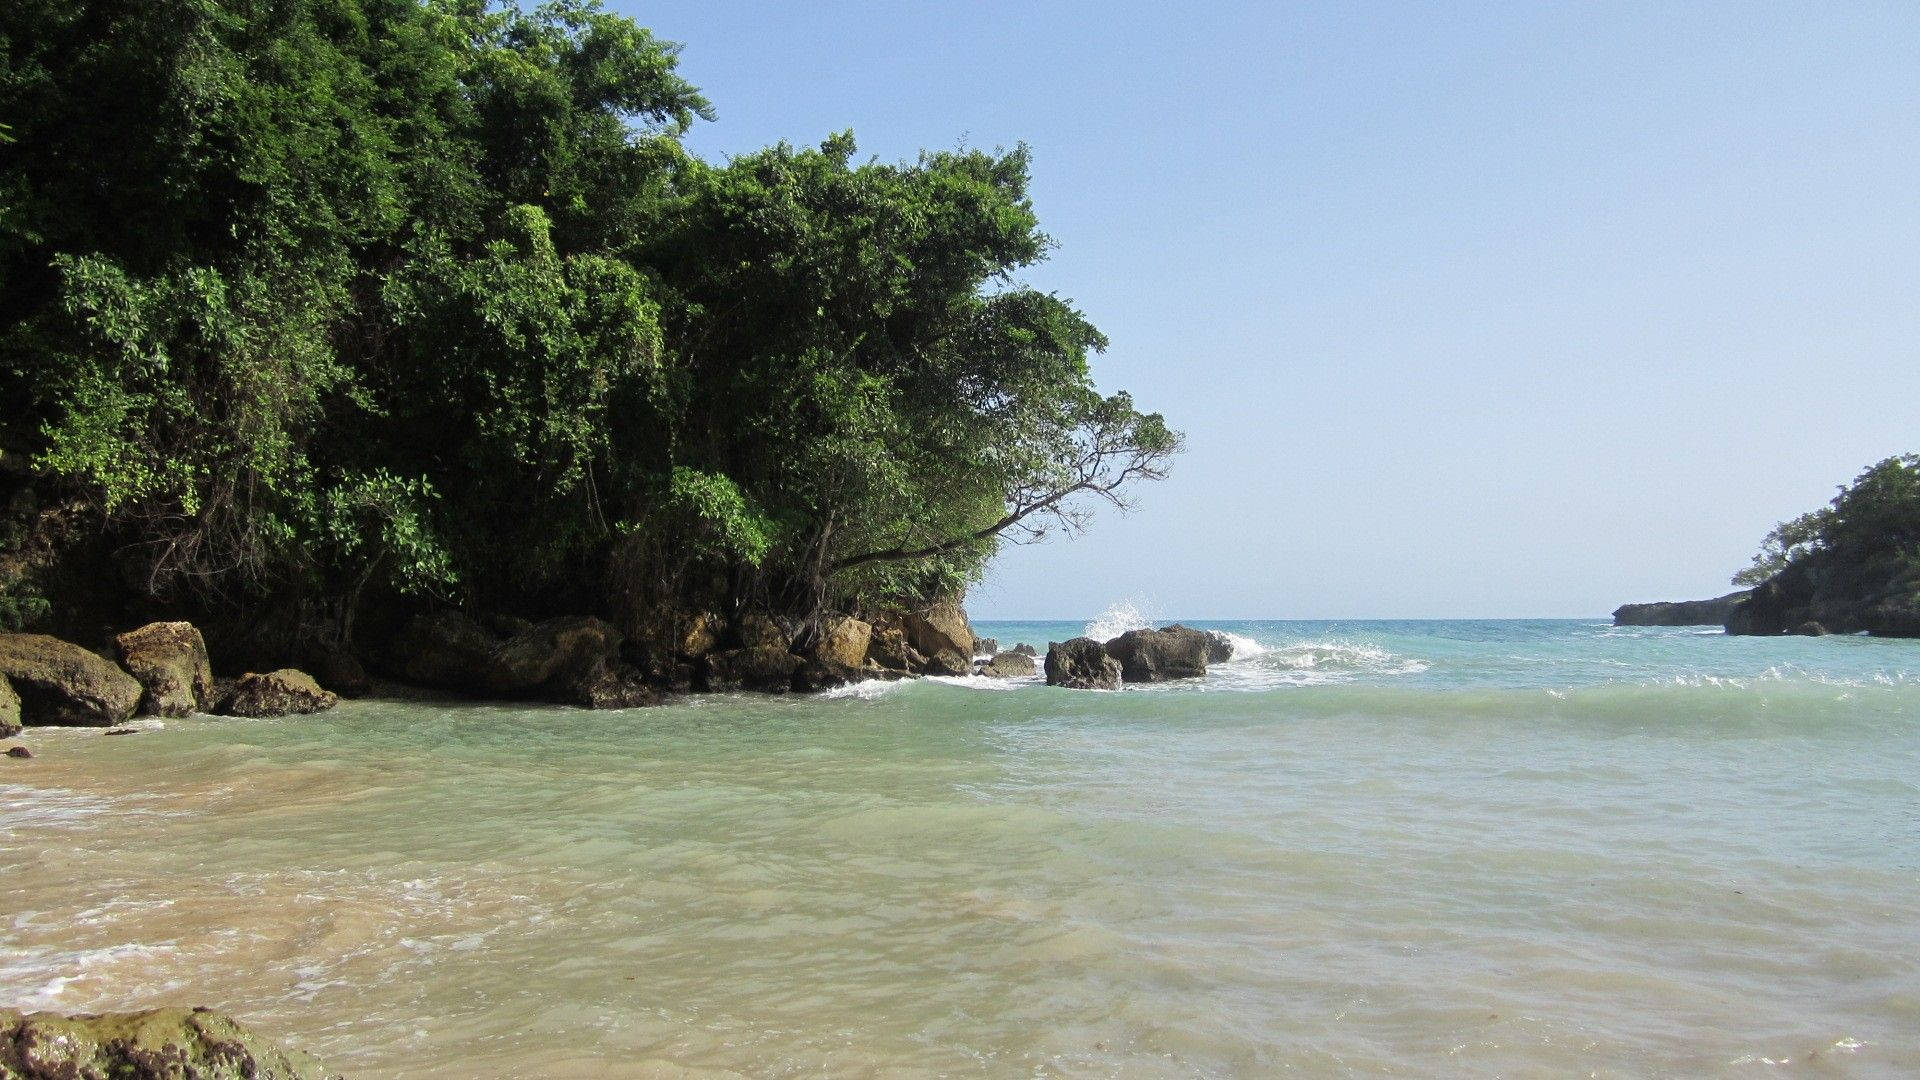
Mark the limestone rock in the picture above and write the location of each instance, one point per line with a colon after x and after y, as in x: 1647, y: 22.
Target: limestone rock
x: 815, y: 674
x: 170, y: 660
x: 942, y: 636
x: 445, y: 649
x: 769, y: 670
x: 276, y: 693
x: 341, y: 672
x: 699, y: 636
x: 888, y: 649
x: 59, y: 682
x: 160, y: 1044
x: 551, y: 651
x: 1009, y: 665
x: 759, y: 631
x: 1081, y: 664
x: 609, y: 684
x: 9, y: 709
x: 1679, y: 612
x: 844, y: 642
x: 1175, y: 652
x: 1810, y: 628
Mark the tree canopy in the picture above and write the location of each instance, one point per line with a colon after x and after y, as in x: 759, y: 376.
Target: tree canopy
x: 1872, y: 523
x: 306, y: 299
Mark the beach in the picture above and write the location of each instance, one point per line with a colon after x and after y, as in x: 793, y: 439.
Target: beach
x: 1366, y: 849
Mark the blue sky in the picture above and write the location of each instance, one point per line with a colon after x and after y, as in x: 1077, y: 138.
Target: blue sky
x: 1467, y: 310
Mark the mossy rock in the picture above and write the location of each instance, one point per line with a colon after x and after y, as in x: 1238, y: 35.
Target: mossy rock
x: 159, y: 1044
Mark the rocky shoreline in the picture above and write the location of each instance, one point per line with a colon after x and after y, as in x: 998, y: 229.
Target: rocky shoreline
x: 1679, y: 612
x: 163, y: 669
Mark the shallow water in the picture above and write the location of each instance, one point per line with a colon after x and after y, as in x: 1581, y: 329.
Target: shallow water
x: 1367, y: 849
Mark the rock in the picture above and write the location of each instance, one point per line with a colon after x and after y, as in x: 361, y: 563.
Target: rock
x: 759, y: 631
x: 1025, y: 649
x: 844, y: 643
x: 121, y: 731
x: 985, y: 646
x: 816, y: 674
x: 1882, y: 600
x: 556, y: 651
x: 19, y: 752
x: 700, y: 635
x: 504, y: 625
x: 1810, y: 628
x: 888, y: 649
x: 159, y: 1044
x: 943, y: 638
x: 444, y: 649
x: 1009, y: 665
x: 341, y: 672
x: 1679, y: 612
x: 59, y: 682
x: 769, y: 670
x: 1175, y: 652
x: 170, y: 660
x: 276, y: 693
x: 610, y: 684
x: 1081, y: 664
x: 9, y: 709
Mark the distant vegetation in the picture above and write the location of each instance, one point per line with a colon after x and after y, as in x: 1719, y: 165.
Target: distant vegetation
x: 1851, y: 565
x: 309, y: 302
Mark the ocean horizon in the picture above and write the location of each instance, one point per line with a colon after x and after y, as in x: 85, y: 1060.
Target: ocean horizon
x: 1358, y: 848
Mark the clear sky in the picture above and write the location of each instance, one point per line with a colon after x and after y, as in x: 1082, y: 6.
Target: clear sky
x: 1466, y: 310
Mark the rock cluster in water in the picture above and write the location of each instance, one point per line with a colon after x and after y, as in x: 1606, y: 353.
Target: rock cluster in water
x: 162, y: 669
x: 160, y: 1044
x: 1137, y: 656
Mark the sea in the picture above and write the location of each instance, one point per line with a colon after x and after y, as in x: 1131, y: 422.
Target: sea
x: 1357, y: 849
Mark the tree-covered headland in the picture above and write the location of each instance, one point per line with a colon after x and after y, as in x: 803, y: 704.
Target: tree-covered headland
x: 314, y: 313
x: 1850, y: 566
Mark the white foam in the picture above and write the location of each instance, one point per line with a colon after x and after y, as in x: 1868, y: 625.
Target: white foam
x: 1119, y: 618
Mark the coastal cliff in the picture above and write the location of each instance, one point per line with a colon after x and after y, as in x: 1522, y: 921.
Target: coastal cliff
x: 1678, y: 612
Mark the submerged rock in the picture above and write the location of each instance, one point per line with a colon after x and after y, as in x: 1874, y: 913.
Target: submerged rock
x: 1678, y: 612
x: 59, y: 682
x: 1081, y: 664
x: 285, y: 692
x: 9, y: 709
x: 1009, y: 665
x: 170, y: 660
x: 1176, y: 652
x: 159, y: 1044
x: 19, y: 752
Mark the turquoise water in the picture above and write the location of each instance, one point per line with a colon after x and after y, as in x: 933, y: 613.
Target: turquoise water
x: 1359, y: 849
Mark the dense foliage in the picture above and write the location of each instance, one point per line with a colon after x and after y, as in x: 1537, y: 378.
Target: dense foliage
x: 1873, y: 524
x: 303, y: 301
